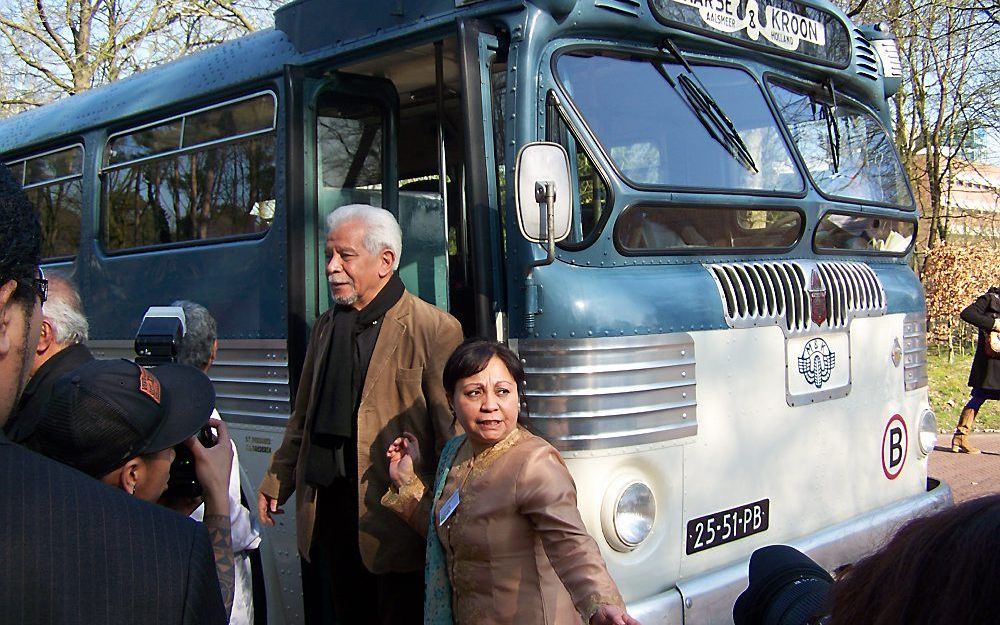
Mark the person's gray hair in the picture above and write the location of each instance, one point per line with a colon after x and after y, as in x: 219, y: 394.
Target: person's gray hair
x: 200, y: 335
x: 382, y: 231
x: 64, y: 310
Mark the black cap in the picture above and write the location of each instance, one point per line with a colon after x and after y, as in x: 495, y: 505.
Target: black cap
x: 108, y: 411
x: 786, y: 585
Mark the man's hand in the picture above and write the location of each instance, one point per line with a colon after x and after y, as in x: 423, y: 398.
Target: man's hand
x: 212, y: 465
x: 403, y: 454
x: 267, y: 506
x: 612, y: 615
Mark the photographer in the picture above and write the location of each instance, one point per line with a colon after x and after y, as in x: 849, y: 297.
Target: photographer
x: 119, y: 423
x: 197, y: 348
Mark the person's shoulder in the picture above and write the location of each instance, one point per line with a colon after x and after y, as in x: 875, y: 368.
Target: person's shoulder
x: 38, y: 481
x: 428, y: 317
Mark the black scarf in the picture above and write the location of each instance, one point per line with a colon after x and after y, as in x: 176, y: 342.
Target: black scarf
x: 342, y: 379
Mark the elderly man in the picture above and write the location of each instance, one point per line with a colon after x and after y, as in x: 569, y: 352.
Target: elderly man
x: 60, y: 349
x: 372, y: 371
x: 78, y: 551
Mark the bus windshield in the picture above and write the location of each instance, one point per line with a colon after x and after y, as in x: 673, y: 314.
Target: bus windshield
x: 845, y: 149
x: 648, y: 128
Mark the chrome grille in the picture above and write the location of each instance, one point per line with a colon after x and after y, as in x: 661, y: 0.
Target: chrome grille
x: 914, y: 351
x: 777, y: 293
x: 250, y: 377
x: 610, y: 392
x: 865, y: 58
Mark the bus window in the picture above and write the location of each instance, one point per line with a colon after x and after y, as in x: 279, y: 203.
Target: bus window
x: 673, y: 229
x: 840, y: 232
x: 349, y: 137
x: 845, y: 149
x: 648, y: 129
x: 53, y: 183
x: 203, y: 175
x: 591, y: 200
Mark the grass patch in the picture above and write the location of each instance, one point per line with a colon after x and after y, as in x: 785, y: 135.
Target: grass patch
x: 949, y: 390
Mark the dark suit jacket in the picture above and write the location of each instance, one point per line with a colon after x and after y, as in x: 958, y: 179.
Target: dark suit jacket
x: 76, y: 551
x: 21, y: 426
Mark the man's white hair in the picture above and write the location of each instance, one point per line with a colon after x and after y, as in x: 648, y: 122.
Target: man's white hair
x: 64, y: 311
x: 382, y: 231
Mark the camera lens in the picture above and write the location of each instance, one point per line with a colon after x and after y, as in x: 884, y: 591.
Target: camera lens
x: 786, y: 588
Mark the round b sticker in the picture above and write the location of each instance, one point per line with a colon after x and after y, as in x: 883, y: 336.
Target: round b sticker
x: 895, y: 444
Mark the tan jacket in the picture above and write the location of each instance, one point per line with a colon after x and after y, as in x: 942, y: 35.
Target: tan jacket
x: 402, y: 392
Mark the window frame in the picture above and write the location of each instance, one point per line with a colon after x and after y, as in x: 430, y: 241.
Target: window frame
x: 829, y: 251
x: 24, y: 172
x: 104, y: 169
x: 602, y: 223
x: 707, y: 251
x: 804, y: 88
x: 696, y: 61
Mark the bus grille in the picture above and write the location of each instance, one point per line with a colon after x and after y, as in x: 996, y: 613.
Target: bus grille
x: 624, y: 7
x: 914, y: 351
x: 777, y: 293
x: 865, y: 58
x: 592, y: 394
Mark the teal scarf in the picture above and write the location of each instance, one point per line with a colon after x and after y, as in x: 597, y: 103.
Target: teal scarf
x: 437, y: 587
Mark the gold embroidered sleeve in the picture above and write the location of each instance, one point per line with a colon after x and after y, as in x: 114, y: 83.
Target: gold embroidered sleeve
x: 409, y: 503
x: 546, y: 494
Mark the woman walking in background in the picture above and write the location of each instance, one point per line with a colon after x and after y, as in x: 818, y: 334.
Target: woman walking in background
x: 984, y: 377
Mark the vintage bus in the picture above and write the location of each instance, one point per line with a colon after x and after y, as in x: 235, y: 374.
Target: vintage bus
x: 686, y: 216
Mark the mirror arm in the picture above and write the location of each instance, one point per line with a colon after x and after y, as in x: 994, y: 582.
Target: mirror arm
x: 545, y: 191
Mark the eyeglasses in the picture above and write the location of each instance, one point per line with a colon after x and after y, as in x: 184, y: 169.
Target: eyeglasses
x: 39, y: 285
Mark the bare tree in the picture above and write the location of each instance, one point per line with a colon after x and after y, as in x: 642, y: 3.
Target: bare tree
x: 50, y: 49
x: 949, y: 52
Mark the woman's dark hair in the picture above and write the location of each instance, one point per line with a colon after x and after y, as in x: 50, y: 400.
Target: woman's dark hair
x: 936, y: 569
x: 472, y: 356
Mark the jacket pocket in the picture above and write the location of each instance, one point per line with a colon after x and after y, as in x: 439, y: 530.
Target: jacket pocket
x: 407, y: 376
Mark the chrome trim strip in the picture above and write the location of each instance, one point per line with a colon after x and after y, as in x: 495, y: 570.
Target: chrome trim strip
x: 914, y: 351
x: 604, y: 393
x: 250, y: 377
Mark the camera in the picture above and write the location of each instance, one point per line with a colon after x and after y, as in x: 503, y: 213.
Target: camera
x: 786, y: 588
x: 157, y: 342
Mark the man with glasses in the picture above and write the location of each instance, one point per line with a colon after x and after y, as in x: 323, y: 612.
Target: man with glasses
x: 77, y: 550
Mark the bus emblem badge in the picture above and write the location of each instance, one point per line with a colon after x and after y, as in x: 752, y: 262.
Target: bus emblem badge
x: 817, y: 298
x: 817, y: 362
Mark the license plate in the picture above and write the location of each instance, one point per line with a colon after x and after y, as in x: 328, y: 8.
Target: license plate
x: 726, y: 526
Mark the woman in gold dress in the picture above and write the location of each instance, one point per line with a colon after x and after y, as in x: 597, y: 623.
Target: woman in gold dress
x: 506, y: 543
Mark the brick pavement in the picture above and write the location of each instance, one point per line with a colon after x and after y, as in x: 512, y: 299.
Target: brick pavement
x: 969, y: 475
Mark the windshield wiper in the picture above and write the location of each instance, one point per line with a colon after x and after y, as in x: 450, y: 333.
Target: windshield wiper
x: 832, y: 129
x: 706, y: 109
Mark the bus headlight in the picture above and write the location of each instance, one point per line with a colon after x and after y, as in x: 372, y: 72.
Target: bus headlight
x: 628, y: 514
x: 927, y: 436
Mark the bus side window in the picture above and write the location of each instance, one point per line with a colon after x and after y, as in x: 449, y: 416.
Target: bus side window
x: 54, y: 183
x: 590, y: 194
x: 201, y: 175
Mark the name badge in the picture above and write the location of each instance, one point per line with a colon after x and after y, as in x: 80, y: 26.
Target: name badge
x: 448, y: 508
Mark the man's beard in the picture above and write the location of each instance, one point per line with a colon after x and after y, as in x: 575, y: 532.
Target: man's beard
x: 344, y: 300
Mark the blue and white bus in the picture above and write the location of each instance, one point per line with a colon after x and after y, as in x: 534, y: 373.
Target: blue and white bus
x: 687, y: 216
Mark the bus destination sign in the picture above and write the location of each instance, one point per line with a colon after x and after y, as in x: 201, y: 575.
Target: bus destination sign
x: 777, y: 25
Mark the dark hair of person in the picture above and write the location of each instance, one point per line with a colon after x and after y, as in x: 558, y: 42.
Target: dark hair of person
x: 936, y: 569
x: 472, y: 356
x: 20, y: 238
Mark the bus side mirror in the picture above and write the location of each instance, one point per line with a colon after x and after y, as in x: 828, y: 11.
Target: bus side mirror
x: 543, y: 192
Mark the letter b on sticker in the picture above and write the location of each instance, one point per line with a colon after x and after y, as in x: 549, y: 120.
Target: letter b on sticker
x: 895, y: 444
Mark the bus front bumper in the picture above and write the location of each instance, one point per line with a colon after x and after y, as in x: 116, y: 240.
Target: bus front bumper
x: 709, y: 598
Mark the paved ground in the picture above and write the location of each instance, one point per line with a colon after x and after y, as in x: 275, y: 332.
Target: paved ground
x: 969, y: 475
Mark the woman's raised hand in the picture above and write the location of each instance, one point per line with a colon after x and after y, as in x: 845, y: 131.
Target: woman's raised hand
x: 404, y: 455
x: 612, y: 615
